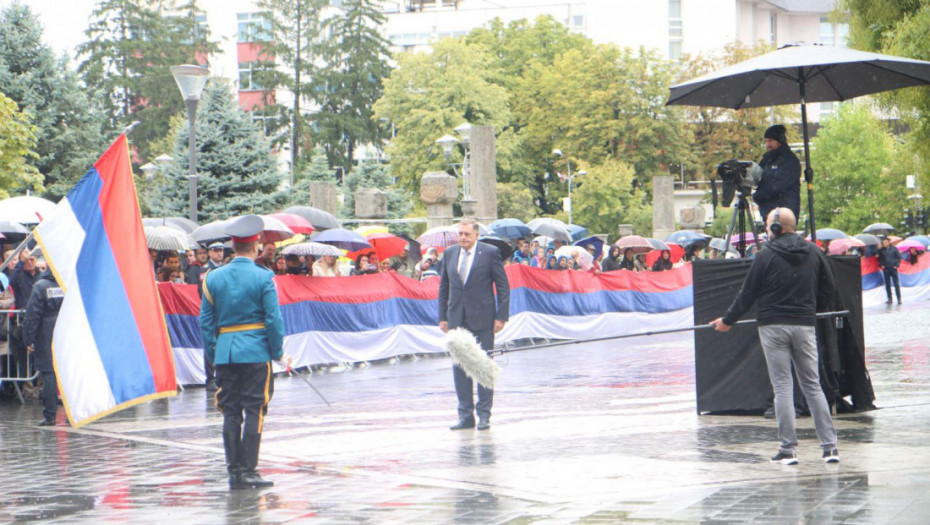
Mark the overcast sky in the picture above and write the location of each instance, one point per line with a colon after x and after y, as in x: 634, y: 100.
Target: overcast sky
x: 64, y: 21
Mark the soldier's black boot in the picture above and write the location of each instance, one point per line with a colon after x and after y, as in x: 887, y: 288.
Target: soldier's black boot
x: 232, y: 443
x: 249, y: 477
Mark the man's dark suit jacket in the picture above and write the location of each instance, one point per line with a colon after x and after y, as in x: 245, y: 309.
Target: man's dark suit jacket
x: 471, y: 304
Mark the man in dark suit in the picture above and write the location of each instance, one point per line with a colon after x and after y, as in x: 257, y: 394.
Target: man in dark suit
x: 470, y: 273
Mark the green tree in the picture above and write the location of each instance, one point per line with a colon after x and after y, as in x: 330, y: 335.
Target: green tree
x: 356, y: 61
x: 131, y: 46
x: 429, y: 94
x: 515, y: 200
x: 605, y: 197
x: 372, y: 174
x: 17, y: 143
x: 292, y: 44
x: 317, y: 170
x: 69, y: 125
x: 852, y: 153
x: 237, y: 172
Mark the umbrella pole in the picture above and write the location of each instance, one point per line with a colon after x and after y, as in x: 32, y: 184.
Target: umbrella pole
x: 808, y: 171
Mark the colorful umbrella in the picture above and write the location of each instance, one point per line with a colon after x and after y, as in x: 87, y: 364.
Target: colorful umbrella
x: 749, y: 237
x: 274, y: 230
x: 342, y: 238
x: 894, y: 239
x: 906, y: 245
x: 594, y: 241
x: 584, y: 258
x: 637, y: 243
x: 386, y: 245
x: 295, y: 222
x: 675, y: 251
x: 922, y: 239
x: 841, y: 246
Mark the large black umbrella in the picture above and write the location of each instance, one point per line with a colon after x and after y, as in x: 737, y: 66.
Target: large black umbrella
x: 801, y: 73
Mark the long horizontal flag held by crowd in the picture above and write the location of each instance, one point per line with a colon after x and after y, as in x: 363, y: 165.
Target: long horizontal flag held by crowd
x: 110, y: 346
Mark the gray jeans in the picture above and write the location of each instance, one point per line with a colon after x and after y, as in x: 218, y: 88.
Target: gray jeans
x: 783, y: 345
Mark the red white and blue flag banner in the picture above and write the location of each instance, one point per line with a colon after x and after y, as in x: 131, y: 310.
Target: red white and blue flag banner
x: 914, y: 279
x: 371, y: 317
x: 110, y: 346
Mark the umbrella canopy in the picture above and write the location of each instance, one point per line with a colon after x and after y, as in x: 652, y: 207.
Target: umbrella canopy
x: 442, y: 236
x: 179, y: 223
x: 868, y: 239
x: 749, y: 237
x: 675, y: 251
x: 879, y: 228
x: 578, y: 232
x: 906, y: 245
x: 510, y: 228
x: 544, y: 241
x: 635, y: 242
x: 386, y: 245
x: 657, y: 244
x: 315, y: 249
x: 320, y: 219
x: 583, y: 257
x: 25, y: 209
x: 594, y: 241
x: 295, y: 222
x: 211, y: 232
x: 922, y: 239
x: 345, y: 239
x: 274, y: 230
x: 721, y: 246
x: 368, y: 229
x: 801, y: 73
x: 894, y: 239
x: 685, y: 237
x: 830, y: 234
x: 553, y: 228
x: 505, y: 248
x: 167, y: 238
x: 13, y: 231
x: 841, y: 246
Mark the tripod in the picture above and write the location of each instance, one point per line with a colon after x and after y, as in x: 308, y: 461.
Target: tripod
x: 741, y: 215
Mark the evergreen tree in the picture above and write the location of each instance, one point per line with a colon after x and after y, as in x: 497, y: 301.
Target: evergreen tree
x: 131, y: 46
x: 292, y: 45
x: 237, y: 172
x: 372, y: 174
x: 356, y: 61
x: 69, y: 125
x: 317, y: 170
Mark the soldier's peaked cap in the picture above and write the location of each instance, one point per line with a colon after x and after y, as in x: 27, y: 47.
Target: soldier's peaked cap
x: 245, y: 228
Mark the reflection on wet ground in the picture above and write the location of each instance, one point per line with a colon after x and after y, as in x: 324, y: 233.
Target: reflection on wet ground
x: 602, y: 433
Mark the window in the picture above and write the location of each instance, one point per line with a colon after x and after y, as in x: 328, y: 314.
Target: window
x: 249, y: 75
x: 578, y: 21
x: 842, y: 34
x: 827, y: 37
x: 253, y: 27
x: 828, y: 109
x: 773, y: 28
x: 675, y: 31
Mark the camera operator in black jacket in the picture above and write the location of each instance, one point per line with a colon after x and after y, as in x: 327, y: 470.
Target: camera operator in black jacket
x: 780, y: 185
x: 889, y: 258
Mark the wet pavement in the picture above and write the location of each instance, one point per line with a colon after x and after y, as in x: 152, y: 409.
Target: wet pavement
x: 600, y: 433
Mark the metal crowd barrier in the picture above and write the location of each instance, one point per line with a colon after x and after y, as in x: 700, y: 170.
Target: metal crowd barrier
x: 17, y: 375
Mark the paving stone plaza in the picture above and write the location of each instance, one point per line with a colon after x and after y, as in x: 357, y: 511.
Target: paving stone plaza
x: 603, y: 433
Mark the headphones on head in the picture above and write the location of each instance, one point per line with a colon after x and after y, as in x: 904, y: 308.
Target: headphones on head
x: 775, y: 227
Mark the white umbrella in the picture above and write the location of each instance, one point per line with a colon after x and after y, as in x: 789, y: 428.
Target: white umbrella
x: 585, y: 259
x: 25, y: 209
x: 549, y: 227
x: 167, y: 238
x: 316, y: 249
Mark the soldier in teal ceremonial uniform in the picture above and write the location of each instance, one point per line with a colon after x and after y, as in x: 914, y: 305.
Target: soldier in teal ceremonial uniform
x: 242, y: 333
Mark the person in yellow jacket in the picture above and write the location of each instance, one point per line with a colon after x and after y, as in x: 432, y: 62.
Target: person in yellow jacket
x: 243, y: 331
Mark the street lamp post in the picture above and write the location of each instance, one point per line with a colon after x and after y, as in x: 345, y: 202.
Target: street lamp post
x: 191, y: 81
x: 558, y: 153
x: 448, y: 143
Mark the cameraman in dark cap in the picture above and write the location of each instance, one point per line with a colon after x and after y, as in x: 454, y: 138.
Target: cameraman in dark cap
x: 780, y: 185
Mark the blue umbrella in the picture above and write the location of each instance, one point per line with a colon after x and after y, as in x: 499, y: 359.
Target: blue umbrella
x: 685, y: 237
x: 830, y: 234
x: 922, y: 239
x: 342, y: 238
x: 578, y: 232
x: 594, y: 241
x: 510, y: 228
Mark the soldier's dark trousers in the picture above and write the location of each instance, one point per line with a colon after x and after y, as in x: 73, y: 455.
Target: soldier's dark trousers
x: 244, y: 390
x: 49, y: 396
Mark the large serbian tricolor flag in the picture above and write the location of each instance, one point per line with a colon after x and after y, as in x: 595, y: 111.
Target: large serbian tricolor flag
x: 914, y: 279
x: 370, y: 317
x: 110, y: 346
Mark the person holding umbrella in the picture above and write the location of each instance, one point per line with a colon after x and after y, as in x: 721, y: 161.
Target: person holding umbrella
x: 889, y: 258
x: 780, y: 185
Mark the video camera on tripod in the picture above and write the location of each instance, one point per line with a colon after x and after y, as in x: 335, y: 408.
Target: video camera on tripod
x: 738, y: 176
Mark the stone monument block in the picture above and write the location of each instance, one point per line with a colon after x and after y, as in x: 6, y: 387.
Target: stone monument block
x: 370, y: 203
x: 663, y: 206
x: 692, y: 218
x: 483, y: 173
x: 625, y: 229
x: 323, y: 196
x: 438, y: 190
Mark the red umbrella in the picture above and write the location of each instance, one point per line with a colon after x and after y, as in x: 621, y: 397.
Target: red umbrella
x: 675, y: 250
x: 386, y: 245
x: 296, y: 223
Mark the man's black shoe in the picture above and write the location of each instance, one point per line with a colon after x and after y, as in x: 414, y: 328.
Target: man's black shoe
x: 46, y: 423
x: 252, y: 480
x: 484, y: 423
x: 463, y: 424
x: 769, y: 413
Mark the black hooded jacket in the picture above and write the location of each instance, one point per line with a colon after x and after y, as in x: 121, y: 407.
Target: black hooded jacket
x: 41, y: 314
x: 791, y: 279
x: 781, y: 182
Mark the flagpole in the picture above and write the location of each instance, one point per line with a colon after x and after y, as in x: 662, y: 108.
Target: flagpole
x: 17, y: 251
